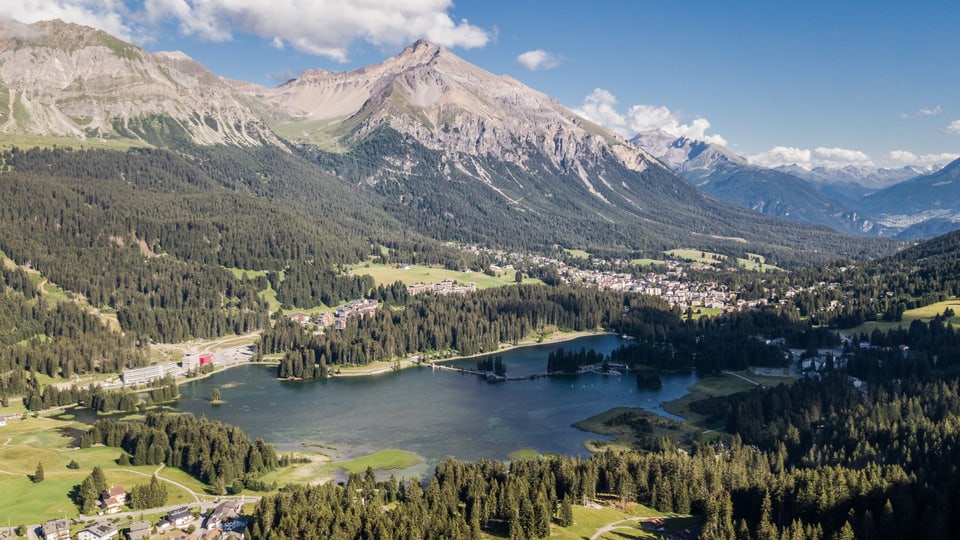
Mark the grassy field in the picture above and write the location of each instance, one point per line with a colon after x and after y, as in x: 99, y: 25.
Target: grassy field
x: 588, y: 521
x: 27, y: 142
x: 50, y: 442
x: 646, y: 262
x: 315, y: 470
x: 383, y: 460
x: 694, y: 255
x: 924, y: 313
x: 720, y: 385
x: 578, y: 253
x: 757, y: 263
x: 387, y: 274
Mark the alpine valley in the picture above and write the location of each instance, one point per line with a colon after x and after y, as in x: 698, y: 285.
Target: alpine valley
x: 757, y: 353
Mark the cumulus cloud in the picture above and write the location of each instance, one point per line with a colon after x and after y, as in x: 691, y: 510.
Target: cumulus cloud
x: 320, y: 27
x: 953, y: 128
x: 840, y: 157
x: 782, y: 155
x: 832, y: 158
x: 538, y: 59
x: 909, y: 158
x: 601, y: 107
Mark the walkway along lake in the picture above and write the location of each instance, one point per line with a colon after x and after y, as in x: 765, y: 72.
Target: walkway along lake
x: 433, y: 413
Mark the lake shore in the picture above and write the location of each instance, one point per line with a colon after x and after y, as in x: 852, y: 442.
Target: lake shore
x: 387, y: 367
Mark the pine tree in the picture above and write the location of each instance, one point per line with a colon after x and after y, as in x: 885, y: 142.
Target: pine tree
x: 99, y: 479
x: 38, y: 474
x: 87, y: 497
x: 566, y: 512
x: 215, y: 394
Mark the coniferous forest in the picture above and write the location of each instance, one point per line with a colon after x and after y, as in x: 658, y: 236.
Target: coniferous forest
x: 115, y: 252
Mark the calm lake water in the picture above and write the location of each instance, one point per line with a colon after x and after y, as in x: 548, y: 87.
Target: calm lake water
x: 433, y: 413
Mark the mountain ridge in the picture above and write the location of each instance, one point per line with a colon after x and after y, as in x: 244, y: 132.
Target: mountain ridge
x: 62, y: 79
x: 450, y: 150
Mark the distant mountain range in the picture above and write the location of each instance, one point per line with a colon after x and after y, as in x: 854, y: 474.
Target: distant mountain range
x: 447, y: 149
x: 911, y: 202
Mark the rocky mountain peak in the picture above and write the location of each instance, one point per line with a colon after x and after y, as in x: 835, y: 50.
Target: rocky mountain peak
x: 68, y: 80
x: 448, y: 105
x: 422, y: 50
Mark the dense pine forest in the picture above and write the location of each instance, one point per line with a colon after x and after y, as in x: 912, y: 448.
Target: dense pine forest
x: 215, y: 453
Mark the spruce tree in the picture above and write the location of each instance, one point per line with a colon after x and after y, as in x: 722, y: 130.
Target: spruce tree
x: 38, y: 474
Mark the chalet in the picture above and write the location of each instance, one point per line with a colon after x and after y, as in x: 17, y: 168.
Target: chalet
x: 227, y: 511
x: 325, y: 319
x: 112, y: 500
x: 300, y: 318
x: 139, y: 530
x: 56, y: 529
x: 98, y: 531
x: 181, y: 517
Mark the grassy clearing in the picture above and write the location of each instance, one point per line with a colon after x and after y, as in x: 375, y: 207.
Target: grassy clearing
x: 315, y: 471
x: 695, y: 255
x: 752, y: 264
x: 382, y: 460
x: 924, y: 313
x: 524, y: 453
x: 24, y: 443
x: 587, y: 521
x: 705, y: 312
x: 578, y: 253
x: 239, y: 273
x: 647, y: 262
x: 721, y: 385
x: 27, y: 142
x: 388, y: 274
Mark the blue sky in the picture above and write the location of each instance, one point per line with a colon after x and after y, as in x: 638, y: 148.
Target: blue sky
x: 813, y: 82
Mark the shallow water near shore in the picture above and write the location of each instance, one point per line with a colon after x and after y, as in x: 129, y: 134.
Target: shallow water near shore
x: 433, y: 413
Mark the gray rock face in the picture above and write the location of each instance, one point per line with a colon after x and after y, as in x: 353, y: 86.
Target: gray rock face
x: 448, y: 105
x: 59, y: 79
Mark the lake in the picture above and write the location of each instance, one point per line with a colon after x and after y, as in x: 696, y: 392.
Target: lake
x: 433, y: 413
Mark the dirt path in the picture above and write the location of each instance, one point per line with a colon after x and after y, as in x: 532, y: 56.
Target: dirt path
x: 615, y: 525
x: 196, y: 498
x: 737, y: 375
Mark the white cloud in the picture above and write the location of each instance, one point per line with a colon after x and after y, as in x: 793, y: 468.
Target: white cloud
x: 932, y: 111
x: 108, y: 15
x: 783, y: 155
x: 538, y: 59
x: 909, y: 158
x: 831, y: 158
x: 840, y: 157
x: 320, y: 27
x: 953, y: 128
x: 600, y: 107
x: 902, y: 155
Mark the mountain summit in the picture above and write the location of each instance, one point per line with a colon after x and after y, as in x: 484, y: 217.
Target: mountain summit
x: 67, y: 80
x: 447, y: 104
